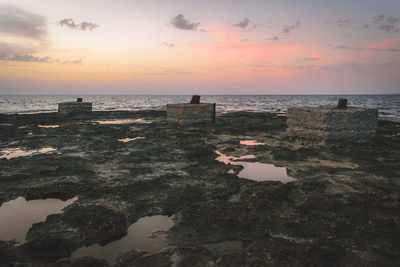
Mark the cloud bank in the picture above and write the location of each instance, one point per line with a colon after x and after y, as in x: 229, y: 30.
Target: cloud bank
x: 20, y: 23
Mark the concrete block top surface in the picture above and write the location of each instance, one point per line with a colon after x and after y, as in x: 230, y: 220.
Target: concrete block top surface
x: 189, y: 105
x: 75, y: 103
x: 330, y: 108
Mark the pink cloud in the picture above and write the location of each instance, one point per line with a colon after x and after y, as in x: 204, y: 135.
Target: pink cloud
x: 384, y: 44
x: 227, y: 43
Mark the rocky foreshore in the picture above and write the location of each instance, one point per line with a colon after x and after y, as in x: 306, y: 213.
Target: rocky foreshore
x: 341, y: 209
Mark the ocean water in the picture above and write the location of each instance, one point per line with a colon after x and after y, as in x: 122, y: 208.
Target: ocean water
x: 388, y: 105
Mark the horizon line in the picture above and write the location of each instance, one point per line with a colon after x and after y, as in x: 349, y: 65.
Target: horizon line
x: 355, y: 94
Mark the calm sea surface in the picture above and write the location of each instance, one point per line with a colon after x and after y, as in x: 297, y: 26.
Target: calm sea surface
x: 388, y: 105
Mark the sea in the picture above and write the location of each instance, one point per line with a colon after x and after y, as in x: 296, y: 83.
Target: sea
x: 388, y: 105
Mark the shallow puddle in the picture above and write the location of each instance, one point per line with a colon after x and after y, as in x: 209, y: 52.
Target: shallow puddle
x: 255, y: 170
x: 49, y: 126
x: 18, y: 215
x: 251, y: 143
x: 122, y: 121
x: 146, y: 234
x: 16, y: 152
x: 125, y: 140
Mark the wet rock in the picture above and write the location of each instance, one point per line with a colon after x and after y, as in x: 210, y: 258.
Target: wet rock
x: 78, y: 262
x: 78, y: 226
x: 7, y: 252
x: 185, y: 256
x: 46, y: 247
x: 128, y: 259
x: 100, y: 225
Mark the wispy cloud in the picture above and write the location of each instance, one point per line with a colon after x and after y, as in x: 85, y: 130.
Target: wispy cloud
x: 392, y: 20
x: 343, y: 23
x: 242, y: 24
x: 170, y: 45
x: 343, y: 47
x: 182, y: 23
x: 274, y: 38
x: 36, y: 59
x: 310, y: 58
x: 288, y: 28
x: 387, y: 23
x: 75, y: 62
x: 169, y: 72
x: 389, y: 28
x: 25, y: 58
x: 83, y: 26
x: 379, y: 18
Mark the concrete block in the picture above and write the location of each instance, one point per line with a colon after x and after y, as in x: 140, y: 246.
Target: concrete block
x: 330, y: 126
x: 68, y: 108
x: 188, y: 114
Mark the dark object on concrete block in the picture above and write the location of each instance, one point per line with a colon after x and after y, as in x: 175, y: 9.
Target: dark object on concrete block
x: 195, y: 99
x: 215, y: 105
x: 79, y: 99
x: 342, y: 103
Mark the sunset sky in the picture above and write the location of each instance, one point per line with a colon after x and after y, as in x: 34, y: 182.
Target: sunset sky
x: 204, y: 46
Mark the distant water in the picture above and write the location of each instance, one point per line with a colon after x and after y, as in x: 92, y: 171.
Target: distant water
x: 388, y: 105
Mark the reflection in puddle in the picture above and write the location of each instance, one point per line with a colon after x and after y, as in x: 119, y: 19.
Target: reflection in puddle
x: 146, y: 234
x: 255, y: 170
x: 18, y: 215
x: 251, y: 143
x: 49, y: 126
x: 16, y: 152
x: 122, y: 121
x: 228, y: 159
x: 130, y: 139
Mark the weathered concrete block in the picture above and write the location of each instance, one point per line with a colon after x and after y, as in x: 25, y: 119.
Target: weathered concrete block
x: 188, y: 114
x: 329, y: 126
x: 67, y: 108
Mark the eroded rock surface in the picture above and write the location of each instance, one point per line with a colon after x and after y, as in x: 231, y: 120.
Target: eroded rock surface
x: 342, y: 208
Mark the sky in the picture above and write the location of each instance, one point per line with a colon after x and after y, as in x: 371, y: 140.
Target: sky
x: 199, y: 47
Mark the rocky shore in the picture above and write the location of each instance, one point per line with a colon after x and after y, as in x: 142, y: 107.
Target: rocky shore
x: 341, y: 209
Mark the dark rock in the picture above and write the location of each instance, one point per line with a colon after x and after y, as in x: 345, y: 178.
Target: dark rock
x: 80, y: 262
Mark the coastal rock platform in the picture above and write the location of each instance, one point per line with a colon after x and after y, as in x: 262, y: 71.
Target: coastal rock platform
x: 340, y: 209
